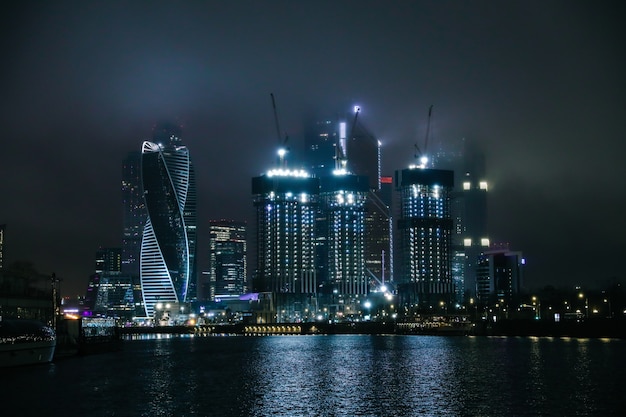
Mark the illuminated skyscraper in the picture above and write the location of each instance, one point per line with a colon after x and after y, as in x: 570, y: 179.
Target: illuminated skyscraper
x: 168, y: 248
x: 2, y: 229
x: 361, y: 151
x: 227, y: 260
x: 109, y: 292
x: 424, y: 227
x: 343, y: 198
x: 285, y: 202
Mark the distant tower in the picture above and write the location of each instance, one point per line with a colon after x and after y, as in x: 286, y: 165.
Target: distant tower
x: 475, y: 190
x: 168, y: 249
x: 227, y: 259
x: 3, y: 227
x: 285, y: 202
x: 424, y: 228
x: 362, y: 153
x: 499, y: 276
x: 109, y: 260
x: 134, y: 213
x: 342, y: 200
x: 109, y: 293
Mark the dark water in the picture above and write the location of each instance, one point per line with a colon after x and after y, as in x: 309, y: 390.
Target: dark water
x: 339, y: 375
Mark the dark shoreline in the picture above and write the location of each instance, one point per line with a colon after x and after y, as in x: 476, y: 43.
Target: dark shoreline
x: 591, y: 328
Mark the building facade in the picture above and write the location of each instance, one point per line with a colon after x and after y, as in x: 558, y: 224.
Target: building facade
x: 134, y: 215
x: 342, y: 204
x: 2, y: 229
x: 168, y: 248
x: 424, y: 229
x: 285, y: 203
x: 499, y: 276
x: 227, y: 260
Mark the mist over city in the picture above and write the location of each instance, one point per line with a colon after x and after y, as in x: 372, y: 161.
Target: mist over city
x: 537, y: 87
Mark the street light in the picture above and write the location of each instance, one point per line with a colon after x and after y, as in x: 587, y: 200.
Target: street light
x: 581, y: 296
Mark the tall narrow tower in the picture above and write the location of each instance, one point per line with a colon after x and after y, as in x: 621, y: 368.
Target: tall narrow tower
x: 343, y: 199
x: 285, y: 202
x: 2, y: 229
x: 424, y: 226
x: 227, y: 260
x: 168, y: 246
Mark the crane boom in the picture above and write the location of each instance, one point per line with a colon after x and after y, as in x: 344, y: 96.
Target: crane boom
x: 276, y: 120
x: 430, y: 110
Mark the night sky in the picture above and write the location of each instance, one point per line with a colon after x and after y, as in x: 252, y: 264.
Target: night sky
x: 538, y: 85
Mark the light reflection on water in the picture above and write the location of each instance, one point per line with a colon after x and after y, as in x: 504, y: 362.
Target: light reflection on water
x: 339, y: 375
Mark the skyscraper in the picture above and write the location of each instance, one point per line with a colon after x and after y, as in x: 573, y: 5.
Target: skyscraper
x: 2, y: 229
x: 342, y: 198
x: 109, y: 292
x: 168, y: 248
x: 109, y: 259
x: 499, y: 276
x: 134, y: 213
x: 227, y: 260
x: 424, y: 227
x: 347, y: 135
x: 285, y: 202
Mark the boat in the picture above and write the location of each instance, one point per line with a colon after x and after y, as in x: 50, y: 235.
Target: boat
x: 25, y: 342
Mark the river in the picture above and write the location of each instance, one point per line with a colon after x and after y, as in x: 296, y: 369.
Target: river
x: 328, y: 375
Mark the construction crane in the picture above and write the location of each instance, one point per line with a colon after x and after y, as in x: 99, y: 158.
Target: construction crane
x: 282, y: 143
x: 419, y: 155
x: 341, y: 160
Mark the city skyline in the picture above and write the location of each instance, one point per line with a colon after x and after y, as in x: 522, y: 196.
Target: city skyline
x: 537, y: 86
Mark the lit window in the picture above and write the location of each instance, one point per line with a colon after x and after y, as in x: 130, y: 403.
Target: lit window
x: 483, y: 185
x: 466, y: 185
x: 484, y: 241
x: 467, y: 242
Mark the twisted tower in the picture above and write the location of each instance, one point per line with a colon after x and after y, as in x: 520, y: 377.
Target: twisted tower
x: 169, y: 239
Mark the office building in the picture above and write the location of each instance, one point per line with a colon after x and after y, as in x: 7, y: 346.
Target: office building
x: 499, y: 277
x: 227, y: 260
x: 168, y: 248
x: 347, y: 136
x: 134, y: 214
x: 2, y: 230
x: 424, y: 232
x: 285, y: 203
x: 109, y: 292
x: 342, y: 204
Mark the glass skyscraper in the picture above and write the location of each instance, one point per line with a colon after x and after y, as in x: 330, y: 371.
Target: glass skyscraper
x: 2, y: 228
x: 343, y: 200
x: 168, y: 248
x: 424, y: 227
x: 285, y: 202
x: 134, y: 213
x: 227, y: 260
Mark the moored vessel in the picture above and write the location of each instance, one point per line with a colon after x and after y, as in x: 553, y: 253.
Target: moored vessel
x: 25, y: 342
